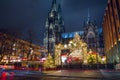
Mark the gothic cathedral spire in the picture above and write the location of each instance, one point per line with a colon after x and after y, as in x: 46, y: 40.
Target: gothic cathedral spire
x: 88, y: 18
x: 53, y: 28
x: 54, y: 5
x: 60, y: 18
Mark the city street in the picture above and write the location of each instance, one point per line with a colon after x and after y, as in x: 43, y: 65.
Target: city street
x: 67, y: 75
x: 60, y: 40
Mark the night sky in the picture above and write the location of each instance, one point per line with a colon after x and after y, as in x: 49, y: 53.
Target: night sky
x: 30, y: 15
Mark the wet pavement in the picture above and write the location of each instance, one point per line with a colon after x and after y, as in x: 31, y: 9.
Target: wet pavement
x: 62, y: 75
x: 55, y: 78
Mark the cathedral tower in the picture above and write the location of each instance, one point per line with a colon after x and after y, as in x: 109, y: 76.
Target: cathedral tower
x: 54, y: 26
x: 91, y: 34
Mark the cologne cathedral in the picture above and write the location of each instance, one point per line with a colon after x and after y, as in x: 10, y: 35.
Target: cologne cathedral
x: 91, y: 34
x: 54, y: 27
x: 55, y: 32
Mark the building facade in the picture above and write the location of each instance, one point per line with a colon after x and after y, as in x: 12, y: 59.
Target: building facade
x: 14, y: 50
x: 111, y: 31
x: 91, y: 34
x: 53, y: 28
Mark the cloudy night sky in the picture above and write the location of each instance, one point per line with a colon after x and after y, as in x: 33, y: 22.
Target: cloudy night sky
x: 28, y: 15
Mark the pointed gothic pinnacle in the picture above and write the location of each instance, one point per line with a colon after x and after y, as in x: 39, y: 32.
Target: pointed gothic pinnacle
x: 59, y: 8
x: 54, y: 2
x: 88, y: 15
x: 54, y: 5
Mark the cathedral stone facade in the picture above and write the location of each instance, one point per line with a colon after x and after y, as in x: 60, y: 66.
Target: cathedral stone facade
x: 53, y: 28
x: 91, y: 34
x: 55, y: 32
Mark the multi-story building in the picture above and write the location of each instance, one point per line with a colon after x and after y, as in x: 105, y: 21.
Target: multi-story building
x: 53, y: 28
x: 14, y: 50
x: 111, y: 31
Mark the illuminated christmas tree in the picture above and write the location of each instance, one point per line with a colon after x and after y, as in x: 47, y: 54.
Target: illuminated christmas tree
x: 49, y: 63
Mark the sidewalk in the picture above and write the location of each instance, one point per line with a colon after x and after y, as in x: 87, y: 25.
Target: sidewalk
x: 48, y: 72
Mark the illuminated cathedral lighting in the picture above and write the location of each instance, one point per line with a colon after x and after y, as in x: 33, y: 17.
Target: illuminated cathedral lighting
x: 53, y: 28
x: 72, y: 46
